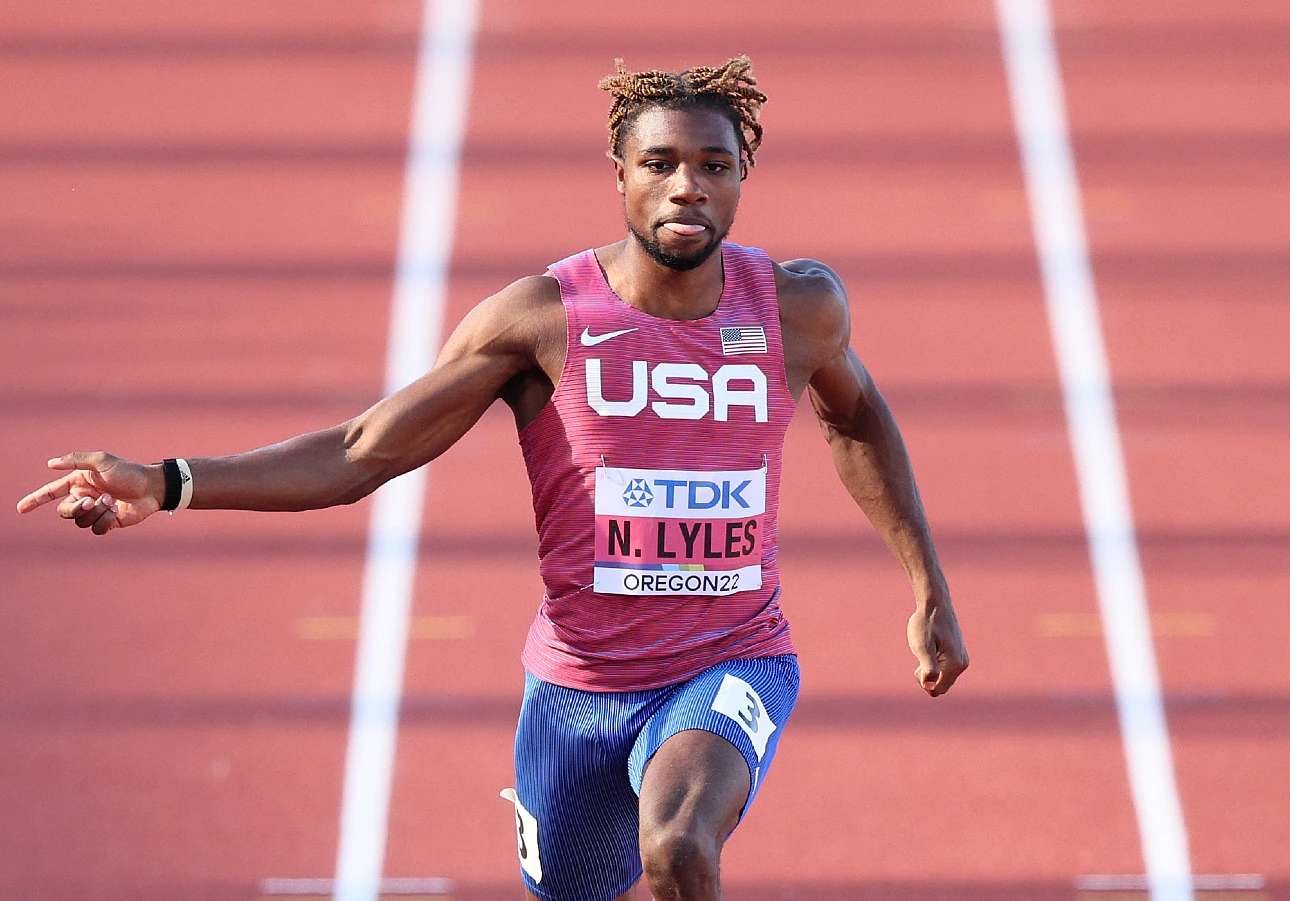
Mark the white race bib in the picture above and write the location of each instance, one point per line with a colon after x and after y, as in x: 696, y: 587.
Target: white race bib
x: 675, y: 531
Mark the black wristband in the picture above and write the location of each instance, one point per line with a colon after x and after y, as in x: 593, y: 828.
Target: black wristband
x: 174, y: 484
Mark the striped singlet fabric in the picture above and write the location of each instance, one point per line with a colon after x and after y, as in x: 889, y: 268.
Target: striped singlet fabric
x: 655, y: 470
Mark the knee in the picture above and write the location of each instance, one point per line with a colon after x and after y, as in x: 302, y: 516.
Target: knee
x: 676, y: 856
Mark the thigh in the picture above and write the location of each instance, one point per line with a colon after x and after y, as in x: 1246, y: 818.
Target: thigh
x: 695, y: 787
x: 576, y: 815
x: 744, y: 702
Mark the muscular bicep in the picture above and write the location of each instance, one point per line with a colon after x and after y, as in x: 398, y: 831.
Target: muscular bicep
x: 419, y: 422
x: 499, y: 339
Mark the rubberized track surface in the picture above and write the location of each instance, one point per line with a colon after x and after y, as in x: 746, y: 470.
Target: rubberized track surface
x: 197, y: 228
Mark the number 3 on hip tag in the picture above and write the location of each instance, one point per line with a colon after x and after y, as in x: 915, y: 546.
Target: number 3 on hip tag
x: 740, y: 701
x: 526, y: 835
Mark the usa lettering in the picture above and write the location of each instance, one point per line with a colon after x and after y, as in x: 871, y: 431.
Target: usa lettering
x: 682, y: 389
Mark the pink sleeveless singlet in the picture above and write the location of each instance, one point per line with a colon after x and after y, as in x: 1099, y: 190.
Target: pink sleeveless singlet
x: 655, y: 470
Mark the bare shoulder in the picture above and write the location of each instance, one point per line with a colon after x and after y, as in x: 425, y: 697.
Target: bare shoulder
x: 537, y: 290
x: 814, y: 317
x: 531, y: 299
x: 806, y: 274
x: 813, y: 302
x: 524, y: 317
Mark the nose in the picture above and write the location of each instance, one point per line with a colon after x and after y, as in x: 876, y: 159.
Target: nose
x: 685, y: 187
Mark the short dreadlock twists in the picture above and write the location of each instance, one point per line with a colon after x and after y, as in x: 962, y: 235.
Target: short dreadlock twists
x: 729, y: 88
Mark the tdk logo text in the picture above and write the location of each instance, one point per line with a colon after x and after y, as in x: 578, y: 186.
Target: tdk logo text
x: 733, y: 385
x: 688, y: 494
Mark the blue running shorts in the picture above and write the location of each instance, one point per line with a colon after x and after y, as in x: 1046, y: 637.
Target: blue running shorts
x: 580, y: 757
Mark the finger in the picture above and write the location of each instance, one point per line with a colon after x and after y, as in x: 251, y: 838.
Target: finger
x: 96, y: 460
x: 928, y: 670
x: 923, y: 645
x: 51, y: 492
x: 943, y: 685
x: 928, y: 679
x: 106, y: 521
x: 74, y: 506
x: 85, y: 519
x: 950, y: 671
x: 944, y: 679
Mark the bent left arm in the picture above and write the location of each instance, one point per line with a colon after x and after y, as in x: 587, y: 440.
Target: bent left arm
x: 871, y: 460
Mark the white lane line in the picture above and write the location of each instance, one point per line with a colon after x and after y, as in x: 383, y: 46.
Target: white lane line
x: 439, y: 108
x: 1039, y: 114
x: 1201, y: 882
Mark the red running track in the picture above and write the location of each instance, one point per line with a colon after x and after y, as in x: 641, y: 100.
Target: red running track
x: 199, y: 218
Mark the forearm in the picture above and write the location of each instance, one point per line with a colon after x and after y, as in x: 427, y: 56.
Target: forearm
x: 871, y: 460
x: 307, y: 472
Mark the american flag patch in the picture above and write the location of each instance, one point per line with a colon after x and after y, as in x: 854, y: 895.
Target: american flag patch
x: 744, y: 339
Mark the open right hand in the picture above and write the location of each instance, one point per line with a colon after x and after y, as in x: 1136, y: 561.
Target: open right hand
x: 101, y: 492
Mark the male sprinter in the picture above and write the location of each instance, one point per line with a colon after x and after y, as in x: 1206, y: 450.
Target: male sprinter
x: 652, y: 381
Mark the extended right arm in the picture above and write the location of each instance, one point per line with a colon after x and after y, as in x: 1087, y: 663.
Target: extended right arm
x: 499, y: 339
x: 349, y: 461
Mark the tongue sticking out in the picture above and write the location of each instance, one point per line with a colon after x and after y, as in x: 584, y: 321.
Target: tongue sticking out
x: 683, y: 228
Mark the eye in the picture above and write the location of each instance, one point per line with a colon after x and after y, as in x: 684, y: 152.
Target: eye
x: 656, y: 165
x: 717, y: 167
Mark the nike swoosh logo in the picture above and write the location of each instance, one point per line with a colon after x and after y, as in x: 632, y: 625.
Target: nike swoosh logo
x: 590, y: 340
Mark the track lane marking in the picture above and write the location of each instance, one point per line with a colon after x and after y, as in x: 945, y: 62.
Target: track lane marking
x: 306, y: 888
x: 1039, y: 115
x: 439, y: 109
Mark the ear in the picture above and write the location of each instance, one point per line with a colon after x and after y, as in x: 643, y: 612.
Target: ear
x: 620, y: 172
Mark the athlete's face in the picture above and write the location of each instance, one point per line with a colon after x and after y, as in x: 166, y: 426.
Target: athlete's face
x: 680, y: 176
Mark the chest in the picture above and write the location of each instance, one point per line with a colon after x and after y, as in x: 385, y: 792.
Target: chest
x: 719, y: 369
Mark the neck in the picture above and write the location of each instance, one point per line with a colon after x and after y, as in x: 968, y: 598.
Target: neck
x: 657, y: 290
